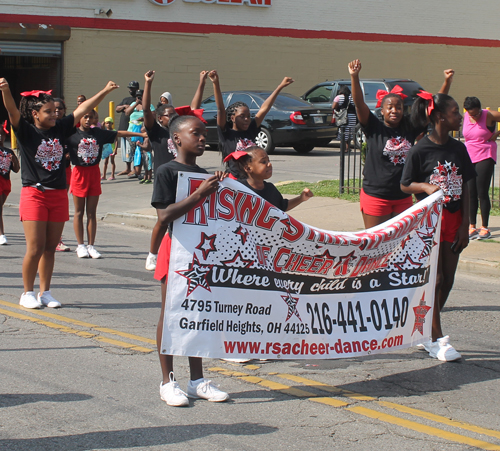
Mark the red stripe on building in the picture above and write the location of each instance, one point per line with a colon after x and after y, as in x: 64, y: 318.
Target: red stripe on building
x: 180, y: 27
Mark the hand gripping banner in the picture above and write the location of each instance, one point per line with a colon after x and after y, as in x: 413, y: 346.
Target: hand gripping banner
x: 248, y: 281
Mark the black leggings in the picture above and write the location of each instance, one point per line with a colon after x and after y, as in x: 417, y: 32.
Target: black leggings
x: 479, y: 190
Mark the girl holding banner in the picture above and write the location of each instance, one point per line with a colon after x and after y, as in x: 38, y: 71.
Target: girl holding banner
x: 440, y: 162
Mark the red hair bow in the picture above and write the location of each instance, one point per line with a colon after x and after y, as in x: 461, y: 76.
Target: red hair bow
x: 235, y: 155
x: 398, y: 90
x: 5, y: 129
x: 187, y: 111
x: 36, y: 93
x: 427, y: 96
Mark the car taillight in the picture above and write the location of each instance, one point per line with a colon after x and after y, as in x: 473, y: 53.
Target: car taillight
x: 296, y: 118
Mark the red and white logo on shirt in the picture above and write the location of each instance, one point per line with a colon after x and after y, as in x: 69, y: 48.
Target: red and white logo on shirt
x: 244, y: 143
x: 5, y: 161
x: 446, y: 177
x: 49, y: 154
x: 396, y: 149
x: 88, y: 150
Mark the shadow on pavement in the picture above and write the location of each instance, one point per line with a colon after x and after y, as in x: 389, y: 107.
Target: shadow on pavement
x: 28, y: 398
x: 132, y: 438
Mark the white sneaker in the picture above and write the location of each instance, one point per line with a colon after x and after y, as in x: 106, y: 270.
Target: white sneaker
x: 3, y: 239
x: 151, y: 262
x: 172, y: 394
x: 442, y: 350
x: 426, y: 346
x: 46, y: 299
x: 28, y: 300
x: 204, y: 389
x: 82, y: 251
x: 93, y: 252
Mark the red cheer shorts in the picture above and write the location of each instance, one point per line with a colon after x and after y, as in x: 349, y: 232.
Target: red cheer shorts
x: 5, y: 186
x: 375, y: 206
x: 163, y: 259
x: 450, y: 223
x: 49, y: 206
x: 86, y: 181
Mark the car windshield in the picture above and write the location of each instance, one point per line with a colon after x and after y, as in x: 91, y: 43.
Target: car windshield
x: 287, y: 101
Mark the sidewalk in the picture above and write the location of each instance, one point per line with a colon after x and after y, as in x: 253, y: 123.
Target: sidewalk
x: 480, y: 257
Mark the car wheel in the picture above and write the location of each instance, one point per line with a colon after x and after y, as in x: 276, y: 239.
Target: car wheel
x: 303, y: 148
x: 264, y: 140
x: 359, y: 136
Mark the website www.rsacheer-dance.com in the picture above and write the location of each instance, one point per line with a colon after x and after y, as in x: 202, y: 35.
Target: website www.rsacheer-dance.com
x: 305, y: 348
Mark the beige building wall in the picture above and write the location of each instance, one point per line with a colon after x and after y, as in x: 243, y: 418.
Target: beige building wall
x: 92, y: 57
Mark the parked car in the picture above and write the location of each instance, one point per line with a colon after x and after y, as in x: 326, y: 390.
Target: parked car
x: 290, y: 122
x: 322, y: 94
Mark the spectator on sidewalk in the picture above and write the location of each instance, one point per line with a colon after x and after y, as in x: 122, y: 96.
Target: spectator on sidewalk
x: 133, y: 86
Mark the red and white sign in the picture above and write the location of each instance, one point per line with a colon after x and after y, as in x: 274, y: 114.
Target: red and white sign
x: 219, y: 2
x: 248, y: 281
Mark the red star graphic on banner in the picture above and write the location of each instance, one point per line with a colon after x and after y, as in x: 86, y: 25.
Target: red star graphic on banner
x: 405, y: 240
x: 407, y: 262
x: 291, y: 302
x: 207, y: 244
x: 420, y: 311
x: 238, y: 261
x: 243, y: 233
x: 196, y: 275
x: 429, y: 243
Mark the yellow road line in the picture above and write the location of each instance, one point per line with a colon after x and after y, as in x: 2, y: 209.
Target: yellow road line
x: 276, y: 386
x: 70, y: 330
x: 76, y: 322
x: 370, y: 413
x: 391, y: 405
x: 325, y: 387
x: 440, y: 419
x: 418, y: 427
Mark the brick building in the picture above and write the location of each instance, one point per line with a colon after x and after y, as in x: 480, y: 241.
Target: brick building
x: 74, y: 47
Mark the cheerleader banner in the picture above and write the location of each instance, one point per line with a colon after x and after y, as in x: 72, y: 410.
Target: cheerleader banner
x: 247, y: 280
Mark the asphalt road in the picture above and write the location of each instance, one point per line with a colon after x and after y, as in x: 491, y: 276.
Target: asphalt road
x: 86, y: 377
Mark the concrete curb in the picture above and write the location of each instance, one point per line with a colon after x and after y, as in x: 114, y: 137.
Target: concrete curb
x: 479, y: 267
x: 131, y: 219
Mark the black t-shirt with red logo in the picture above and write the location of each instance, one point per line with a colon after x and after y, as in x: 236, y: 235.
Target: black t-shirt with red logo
x: 42, y: 152
x: 85, y: 147
x: 163, y: 147
x: 231, y: 140
x: 5, y: 162
x: 448, y: 166
x: 385, y: 157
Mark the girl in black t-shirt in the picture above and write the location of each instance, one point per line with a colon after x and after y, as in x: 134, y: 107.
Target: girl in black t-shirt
x: 255, y: 168
x: 8, y: 162
x: 236, y: 129
x: 189, y: 135
x: 439, y: 162
x: 44, y: 202
x: 388, y: 142
x: 85, y: 150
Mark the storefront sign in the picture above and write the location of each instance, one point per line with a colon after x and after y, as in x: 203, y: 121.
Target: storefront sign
x: 219, y: 2
x: 247, y: 280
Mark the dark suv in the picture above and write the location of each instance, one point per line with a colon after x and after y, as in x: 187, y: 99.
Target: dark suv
x: 322, y: 94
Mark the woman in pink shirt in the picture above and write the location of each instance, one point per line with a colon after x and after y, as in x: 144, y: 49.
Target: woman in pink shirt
x: 480, y: 140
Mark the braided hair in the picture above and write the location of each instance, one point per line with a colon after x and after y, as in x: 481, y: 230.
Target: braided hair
x: 231, y: 109
x: 32, y: 103
x: 244, y: 160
